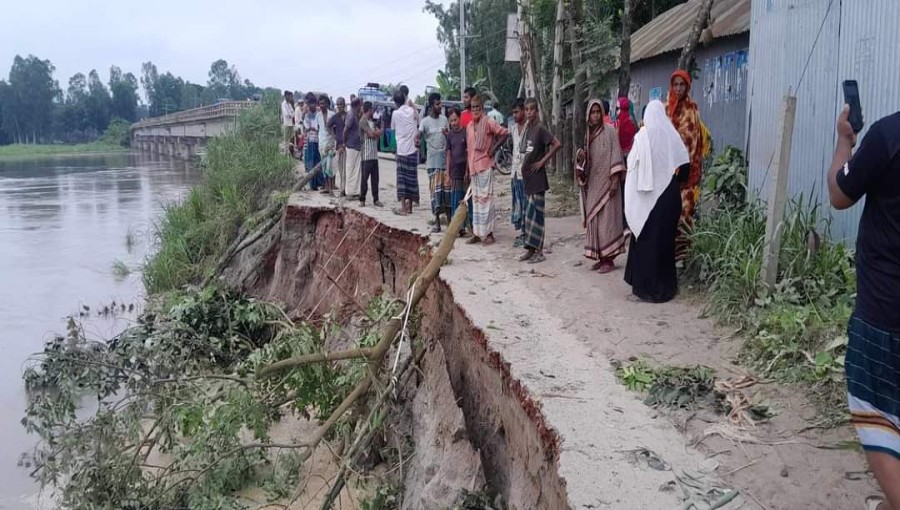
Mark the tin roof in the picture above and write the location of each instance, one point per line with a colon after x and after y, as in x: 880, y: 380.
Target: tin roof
x: 670, y: 30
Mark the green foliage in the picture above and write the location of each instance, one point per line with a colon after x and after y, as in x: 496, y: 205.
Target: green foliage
x: 384, y: 497
x: 26, y: 151
x: 179, y: 385
x: 120, y: 270
x: 242, y: 170
x: 668, y: 386
x: 118, y: 133
x: 485, y: 51
x: 725, y: 180
x: 794, y: 331
x: 681, y: 387
x: 636, y: 376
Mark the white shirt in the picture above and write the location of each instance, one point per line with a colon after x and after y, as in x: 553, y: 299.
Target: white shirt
x: 287, y: 114
x: 325, y: 135
x: 405, y: 123
x: 515, y: 132
x: 298, y: 116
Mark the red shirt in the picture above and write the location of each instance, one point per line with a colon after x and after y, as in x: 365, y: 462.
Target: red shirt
x: 465, y: 118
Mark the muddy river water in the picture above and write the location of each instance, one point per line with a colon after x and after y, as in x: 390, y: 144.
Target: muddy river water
x: 64, y: 223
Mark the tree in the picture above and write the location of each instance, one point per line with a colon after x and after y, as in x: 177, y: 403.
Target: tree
x: 29, y: 106
x: 220, y: 79
x: 448, y: 86
x: 99, y: 103
x: 5, y: 138
x: 191, y: 95
x: 687, y: 53
x: 625, y: 53
x: 485, y: 48
x: 149, y: 78
x: 124, y: 94
x: 168, y: 89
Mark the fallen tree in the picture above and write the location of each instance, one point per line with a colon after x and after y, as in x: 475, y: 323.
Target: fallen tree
x: 186, y: 398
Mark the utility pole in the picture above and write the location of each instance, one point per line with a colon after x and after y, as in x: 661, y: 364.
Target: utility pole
x: 462, y: 46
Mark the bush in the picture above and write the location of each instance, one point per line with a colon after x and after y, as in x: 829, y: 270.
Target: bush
x: 794, y: 331
x: 241, y: 171
x: 118, y: 133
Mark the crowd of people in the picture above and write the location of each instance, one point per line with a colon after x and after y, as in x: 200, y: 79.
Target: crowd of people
x: 638, y: 185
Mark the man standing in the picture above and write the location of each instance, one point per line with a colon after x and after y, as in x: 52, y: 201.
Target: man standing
x: 873, y: 353
x: 370, y: 135
x: 516, y: 130
x: 311, y: 156
x: 287, y: 117
x: 352, y: 143
x: 434, y: 129
x: 538, y: 146
x: 327, y: 145
x: 299, y: 115
x: 336, y: 128
x: 466, y: 117
x: 404, y: 122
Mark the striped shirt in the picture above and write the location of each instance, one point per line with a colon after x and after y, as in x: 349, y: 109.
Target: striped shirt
x: 370, y: 145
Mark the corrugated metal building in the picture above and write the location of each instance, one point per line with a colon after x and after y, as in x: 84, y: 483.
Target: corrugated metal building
x: 809, y: 47
x: 721, y: 88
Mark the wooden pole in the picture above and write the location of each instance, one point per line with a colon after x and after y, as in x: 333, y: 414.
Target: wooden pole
x: 778, y: 192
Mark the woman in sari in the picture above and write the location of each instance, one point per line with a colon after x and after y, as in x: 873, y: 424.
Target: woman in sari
x: 656, y: 164
x: 599, y: 172
x: 686, y: 119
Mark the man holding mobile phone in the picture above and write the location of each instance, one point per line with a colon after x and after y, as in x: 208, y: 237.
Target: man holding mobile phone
x: 873, y: 353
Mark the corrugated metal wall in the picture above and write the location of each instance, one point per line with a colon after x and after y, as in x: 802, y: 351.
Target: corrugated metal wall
x: 720, y: 91
x: 855, y: 39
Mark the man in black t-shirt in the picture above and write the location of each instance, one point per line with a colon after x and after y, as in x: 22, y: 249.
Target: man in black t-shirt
x: 538, y: 145
x: 873, y: 354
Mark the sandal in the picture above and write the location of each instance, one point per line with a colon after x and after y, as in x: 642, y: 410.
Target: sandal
x: 873, y: 502
x: 528, y: 255
x: 606, y: 267
x: 436, y: 229
x: 474, y: 240
x: 399, y: 212
x: 489, y: 240
x: 538, y: 257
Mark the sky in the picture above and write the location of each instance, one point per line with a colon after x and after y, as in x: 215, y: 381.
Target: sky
x: 334, y: 46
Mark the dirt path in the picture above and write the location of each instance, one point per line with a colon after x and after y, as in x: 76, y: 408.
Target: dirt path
x: 559, y: 326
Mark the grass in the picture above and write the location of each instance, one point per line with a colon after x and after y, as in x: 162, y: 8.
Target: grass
x: 243, y: 170
x: 794, y: 332
x: 25, y: 150
x: 563, y: 198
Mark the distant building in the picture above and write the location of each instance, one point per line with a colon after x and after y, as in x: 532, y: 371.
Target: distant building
x: 720, y: 74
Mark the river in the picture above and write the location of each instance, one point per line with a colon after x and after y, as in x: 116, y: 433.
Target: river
x: 64, y: 222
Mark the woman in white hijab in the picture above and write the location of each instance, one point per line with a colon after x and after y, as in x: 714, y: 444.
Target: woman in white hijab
x: 653, y: 206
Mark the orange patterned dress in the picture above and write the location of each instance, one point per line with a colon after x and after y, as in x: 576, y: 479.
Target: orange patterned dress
x: 686, y: 119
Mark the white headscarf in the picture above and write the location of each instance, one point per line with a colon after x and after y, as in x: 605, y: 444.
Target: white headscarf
x: 657, y: 152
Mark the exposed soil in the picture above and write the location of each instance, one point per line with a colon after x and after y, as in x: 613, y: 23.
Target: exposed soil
x: 527, y: 351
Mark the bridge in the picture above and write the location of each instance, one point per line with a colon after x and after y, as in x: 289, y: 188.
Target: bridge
x: 184, y: 134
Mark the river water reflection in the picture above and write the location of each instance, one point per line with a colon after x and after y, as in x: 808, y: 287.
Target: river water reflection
x: 64, y: 222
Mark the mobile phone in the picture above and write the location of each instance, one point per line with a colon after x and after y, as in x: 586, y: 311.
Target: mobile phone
x: 851, y: 97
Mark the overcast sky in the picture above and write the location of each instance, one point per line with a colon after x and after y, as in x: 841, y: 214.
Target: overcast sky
x: 324, y: 45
